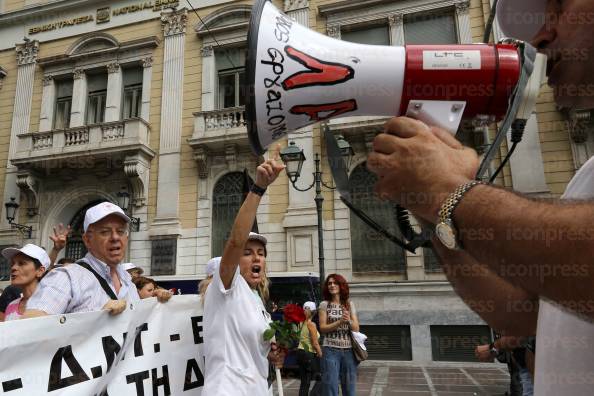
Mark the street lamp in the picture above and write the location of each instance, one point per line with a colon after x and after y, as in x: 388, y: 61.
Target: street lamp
x: 124, y: 203
x: 11, y: 208
x: 293, y: 158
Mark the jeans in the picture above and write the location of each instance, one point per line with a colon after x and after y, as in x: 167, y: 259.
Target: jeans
x: 526, y: 378
x: 338, y: 365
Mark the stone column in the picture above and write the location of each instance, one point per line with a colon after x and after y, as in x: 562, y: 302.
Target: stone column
x: 298, y: 10
x: 48, y: 100
x: 147, y: 76
x: 209, y: 78
x: 79, y: 98
x: 300, y: 220
x: 463, y: 17
x: 396, y: 23
x: 527, y: 165
x: 167, y: 217
x: 113, y: 101
x: 21, y: 116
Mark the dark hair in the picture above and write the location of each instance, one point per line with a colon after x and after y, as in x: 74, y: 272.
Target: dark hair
x: 342, y: 285
x: 36, y: 262
x: 66, y: 260
x: 142, y: 281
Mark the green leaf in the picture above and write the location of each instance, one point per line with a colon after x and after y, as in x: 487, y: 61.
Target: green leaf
x: 268, y: 334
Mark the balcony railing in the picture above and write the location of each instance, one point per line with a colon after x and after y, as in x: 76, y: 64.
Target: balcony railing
x: 102, y: 138
x: 212, y: 128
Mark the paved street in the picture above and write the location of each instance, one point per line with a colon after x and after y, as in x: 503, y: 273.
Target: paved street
x: 387, y: 379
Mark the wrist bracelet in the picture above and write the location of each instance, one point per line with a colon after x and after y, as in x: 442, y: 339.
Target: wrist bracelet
x: 256, y: 189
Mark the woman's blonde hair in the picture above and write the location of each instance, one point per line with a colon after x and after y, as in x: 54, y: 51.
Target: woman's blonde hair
x: 263, y: 288
x: 202, y: 286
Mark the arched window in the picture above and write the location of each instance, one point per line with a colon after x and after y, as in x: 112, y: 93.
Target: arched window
x: 75, y: 247
x: 226, y: 201
x: 370, y: 251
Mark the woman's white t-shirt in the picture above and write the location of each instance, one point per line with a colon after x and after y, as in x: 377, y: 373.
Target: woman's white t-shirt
x: 234, y: 348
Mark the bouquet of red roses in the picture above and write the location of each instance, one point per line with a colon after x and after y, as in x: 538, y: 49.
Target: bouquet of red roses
x: 288, y: 330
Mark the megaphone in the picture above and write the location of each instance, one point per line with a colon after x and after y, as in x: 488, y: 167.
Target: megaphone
x: 298, y: 77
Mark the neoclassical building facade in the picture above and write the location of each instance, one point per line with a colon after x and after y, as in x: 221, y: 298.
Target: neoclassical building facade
x: 146, y: 99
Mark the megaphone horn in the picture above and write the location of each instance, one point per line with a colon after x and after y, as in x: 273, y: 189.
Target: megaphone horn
x: 298, y: 77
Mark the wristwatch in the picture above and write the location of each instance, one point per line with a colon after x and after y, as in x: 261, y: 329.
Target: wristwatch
x: 445, y: 229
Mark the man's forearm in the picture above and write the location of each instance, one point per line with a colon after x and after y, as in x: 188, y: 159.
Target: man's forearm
x: 505, y: 307
x: 544, y: 248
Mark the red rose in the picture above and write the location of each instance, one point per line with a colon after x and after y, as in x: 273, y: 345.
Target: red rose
x: 293, y: 313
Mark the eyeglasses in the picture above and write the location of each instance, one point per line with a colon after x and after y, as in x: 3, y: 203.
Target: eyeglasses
x: 107, y: 232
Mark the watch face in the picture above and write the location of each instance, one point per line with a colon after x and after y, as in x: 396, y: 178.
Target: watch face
x: 446, y: 235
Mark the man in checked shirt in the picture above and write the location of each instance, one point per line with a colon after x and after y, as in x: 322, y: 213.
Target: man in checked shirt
x: 97, y: 281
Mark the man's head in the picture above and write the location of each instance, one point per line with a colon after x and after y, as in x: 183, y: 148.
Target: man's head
x: 106, y: 232
x: 563, y: 30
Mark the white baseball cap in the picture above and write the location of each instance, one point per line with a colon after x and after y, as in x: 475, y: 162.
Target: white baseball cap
x: 129, y: 266
x: 521, y: 19
x: 101, y: 211
x: 212, y: 266
x: 29, y: 250
x: 257, y: 237
x: 310, y: 305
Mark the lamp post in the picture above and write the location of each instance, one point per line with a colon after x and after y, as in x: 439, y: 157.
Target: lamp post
x: 11, y: 208
x: 124, y: 203
x: 293, y: 158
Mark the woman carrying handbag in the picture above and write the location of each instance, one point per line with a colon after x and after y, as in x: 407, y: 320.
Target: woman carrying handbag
x: 338, y: 318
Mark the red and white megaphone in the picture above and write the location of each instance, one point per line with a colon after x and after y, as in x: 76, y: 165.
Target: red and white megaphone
x: 298, y: 77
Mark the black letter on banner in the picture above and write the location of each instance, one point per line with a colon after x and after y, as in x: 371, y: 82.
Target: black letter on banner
x: 138, y: 378
x: 138, y: 340
x: 163, y: 381
x: 55, y: 377
x: 197, y: 328
x: 192, y: 367
x: 111, y: 348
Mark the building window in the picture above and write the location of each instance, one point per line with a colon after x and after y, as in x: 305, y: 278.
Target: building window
x: 97, y: 89
x: 388, y: 342
x: 457, y: 343
x: 4, y: 265
x: 75, y: 247
x: 371, y: 252
x: 372, y: 35
x: 226, y: 201
x: 132, y: 82
x: 63, y: 104
x: 163, y: 256
x: 431, y: 28
x: 231, y: 77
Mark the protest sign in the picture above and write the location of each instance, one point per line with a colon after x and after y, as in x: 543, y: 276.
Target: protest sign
x: 149, y: 349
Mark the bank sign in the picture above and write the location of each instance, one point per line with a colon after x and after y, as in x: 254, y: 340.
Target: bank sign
x: 103, y: 15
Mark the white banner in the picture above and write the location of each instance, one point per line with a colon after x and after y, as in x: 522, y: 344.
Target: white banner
x: 149, y: 349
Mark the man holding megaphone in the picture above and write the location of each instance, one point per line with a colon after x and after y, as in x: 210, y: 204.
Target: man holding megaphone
x: 538, y: 266
x: 532, y: 259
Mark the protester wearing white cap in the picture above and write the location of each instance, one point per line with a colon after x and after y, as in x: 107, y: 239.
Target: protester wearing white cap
x: 27, y: 266
x: 212, y: 266
x: 519, y: 261
x: 98, y: 281
x: 236, y: 355
x: 133, y: 270
x: 309, y: 353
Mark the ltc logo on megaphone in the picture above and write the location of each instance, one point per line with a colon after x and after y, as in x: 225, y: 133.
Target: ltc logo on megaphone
x: 298, y: 77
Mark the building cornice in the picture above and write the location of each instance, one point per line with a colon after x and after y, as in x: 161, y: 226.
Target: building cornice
x: 349, y: 5
x: 44, y: 10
